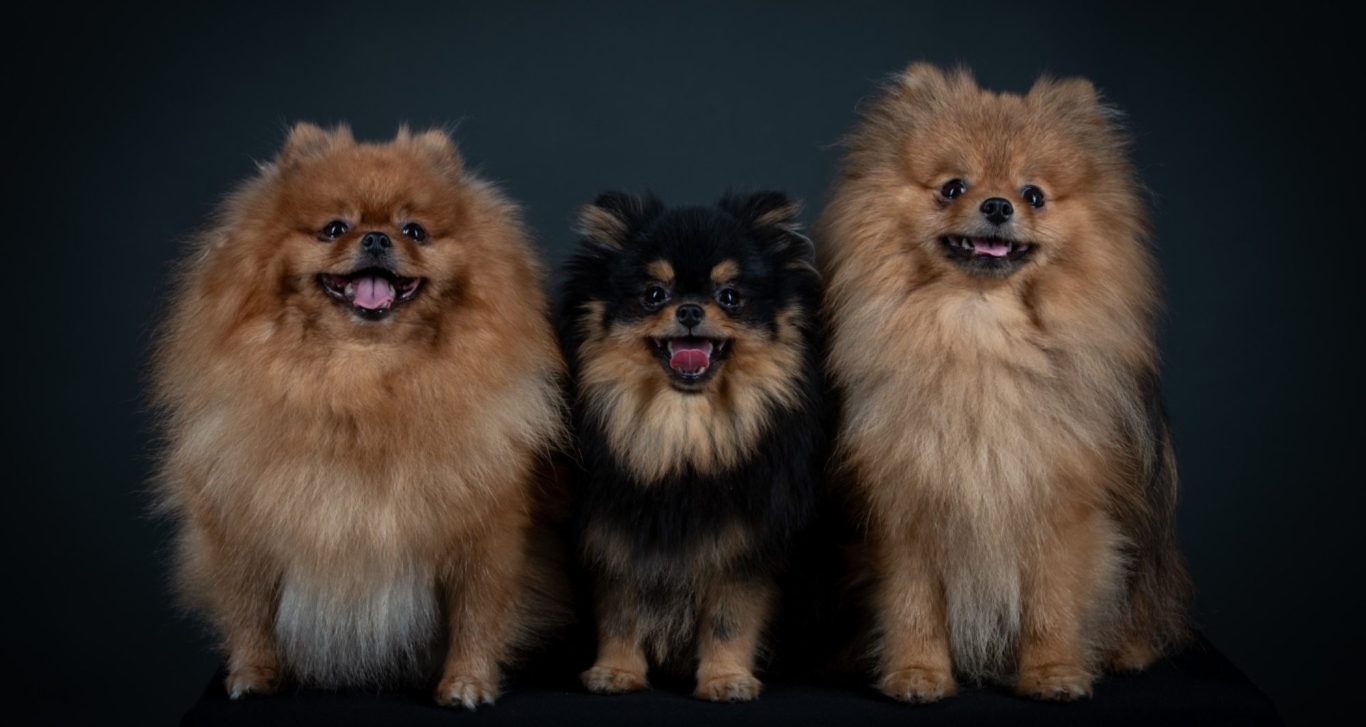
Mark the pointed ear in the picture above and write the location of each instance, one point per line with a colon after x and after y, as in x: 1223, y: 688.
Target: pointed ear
x: 614, y: 216
x: 310, y: 140
x: 1073, y: 97
x: 919, y: 92
x: 927, y: 82
x: 435, y: 144
x: 773, y: 217
x: 919, y: 76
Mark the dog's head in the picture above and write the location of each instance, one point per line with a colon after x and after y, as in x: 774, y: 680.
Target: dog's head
x: 989, y: 184
x: 358, y: 242
x: 688, y: 297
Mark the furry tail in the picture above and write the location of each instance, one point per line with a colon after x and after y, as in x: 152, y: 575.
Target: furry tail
x: 1159, y: 588
x: 546, y: 604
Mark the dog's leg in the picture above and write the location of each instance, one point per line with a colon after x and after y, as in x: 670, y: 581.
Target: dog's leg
x: 915, y: 664
x: 241, y: 593
x: 733, y: 617
x: 1059, y: 585
x: 482, y: 590
x: 621, y: 665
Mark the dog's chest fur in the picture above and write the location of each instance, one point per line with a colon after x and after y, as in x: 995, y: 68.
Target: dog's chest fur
x: 983, y: 411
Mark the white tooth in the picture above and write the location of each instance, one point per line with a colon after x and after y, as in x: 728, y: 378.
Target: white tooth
x: 1010, y: 247
x: 964, y: 243
x: 350, y: 290
x: 670, y: 346
x: 392, y: 292
x: 709, y: 348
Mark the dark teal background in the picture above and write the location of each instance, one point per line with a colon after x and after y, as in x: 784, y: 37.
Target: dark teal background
x: 127, y: 125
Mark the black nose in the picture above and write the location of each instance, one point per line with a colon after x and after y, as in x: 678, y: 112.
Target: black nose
x: 375, y: 242
x: 997, y: 210
x: 690, y: 314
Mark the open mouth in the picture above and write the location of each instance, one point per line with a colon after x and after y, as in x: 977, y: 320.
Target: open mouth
x: 370, y: 293
x: 690, y: 360
x: 986, y: 254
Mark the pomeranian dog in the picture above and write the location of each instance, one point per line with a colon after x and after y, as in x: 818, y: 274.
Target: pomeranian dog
x: 690, y: 338
x: 360, y: 385
x: 991, y: 299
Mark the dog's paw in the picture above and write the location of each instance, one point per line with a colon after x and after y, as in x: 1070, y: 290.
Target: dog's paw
x: 1131, y: 657
x: 742, y: 687
x: 1054, y: 683
x: 918, y: 685
x: 253, y: 679
x: 464, y: 690
x: 610, y: 680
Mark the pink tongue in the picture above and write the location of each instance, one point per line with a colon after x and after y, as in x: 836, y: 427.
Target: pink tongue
x: 689, y: 360
x: 373, y: 293
x: 989, y: 247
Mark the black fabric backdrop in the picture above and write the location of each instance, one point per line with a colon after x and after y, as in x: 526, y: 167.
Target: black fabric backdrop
x: 129, y: 123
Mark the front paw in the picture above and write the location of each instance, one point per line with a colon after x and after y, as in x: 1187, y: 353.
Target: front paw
x: 253, y: 679
x: 918, y: 685
x: 1054, y: 683
x: 742, y: 687
x: 464, y: 690
x: 610, y: 680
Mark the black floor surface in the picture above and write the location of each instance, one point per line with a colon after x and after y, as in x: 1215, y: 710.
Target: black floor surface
x: 1196, y: 687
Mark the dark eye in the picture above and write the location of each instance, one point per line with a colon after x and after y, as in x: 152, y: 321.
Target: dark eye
x: 1033, y: 195
x: 415, y: 231
x: 953, y: 188
x: 332, y: 230
x: 728, y: 297
x: 655, y: 296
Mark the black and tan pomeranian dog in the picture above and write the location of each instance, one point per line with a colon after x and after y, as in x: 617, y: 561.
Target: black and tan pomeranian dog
x: 991, y: 299
x: 689, y: 335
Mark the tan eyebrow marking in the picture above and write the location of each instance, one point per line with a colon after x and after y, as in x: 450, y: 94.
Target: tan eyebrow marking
x: 661, y: 270
x: 725, y: 271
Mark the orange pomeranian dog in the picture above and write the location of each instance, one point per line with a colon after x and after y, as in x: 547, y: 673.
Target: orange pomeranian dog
x: 991, y: 301
x: 359, y: 386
